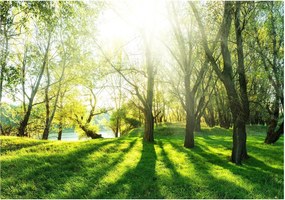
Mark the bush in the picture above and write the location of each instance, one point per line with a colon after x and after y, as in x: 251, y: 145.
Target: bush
x: 132, y: 122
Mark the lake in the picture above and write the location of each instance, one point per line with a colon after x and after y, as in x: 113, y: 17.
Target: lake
x: 72, y: 136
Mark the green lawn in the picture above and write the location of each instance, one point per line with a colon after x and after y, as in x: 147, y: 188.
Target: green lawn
x: 129, y: 168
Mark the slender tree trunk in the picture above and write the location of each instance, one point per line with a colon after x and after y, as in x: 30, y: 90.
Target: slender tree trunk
x: 3, y: 68
x: 117, y: 128
x: 240, y: 127
x: 239, y: 134
x: 23, y: 78
x: 49, y: 118
x: 240, y: 67
x: 190, y: 115
x: 148, y: 129
x: 24, y: 122
x: 226, y: 76
x: 47, y: 124
x: 239, y: 151
x: 149, y: 121
x: 272, y: 134
x: 60, y: 128
x: 198, y: 124
x: 3, y: 60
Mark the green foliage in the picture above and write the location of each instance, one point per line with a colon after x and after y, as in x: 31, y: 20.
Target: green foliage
x: 9, y: 119
x: 130, y: 168
x: 133, y: 123
x: 87, y: 130
x: 123, y: 121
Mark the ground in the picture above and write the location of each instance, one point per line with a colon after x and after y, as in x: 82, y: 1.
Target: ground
x: 130, y: 168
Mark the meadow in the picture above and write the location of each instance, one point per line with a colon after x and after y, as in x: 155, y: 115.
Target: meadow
x: 127, y: 167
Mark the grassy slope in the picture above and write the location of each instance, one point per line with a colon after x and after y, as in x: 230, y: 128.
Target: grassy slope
x: 130, y: 168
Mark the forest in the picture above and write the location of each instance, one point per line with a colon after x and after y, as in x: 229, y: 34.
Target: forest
x: 142, y: 99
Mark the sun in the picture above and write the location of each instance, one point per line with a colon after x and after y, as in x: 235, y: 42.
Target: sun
x: 123, y: 20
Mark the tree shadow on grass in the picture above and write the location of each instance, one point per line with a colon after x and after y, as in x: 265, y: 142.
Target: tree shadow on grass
x: 179, y: 186
x: 215, y: 186
x: 139, y: 182
x: 37, y: 176
x: 96, y: 173
x: 256, y: 173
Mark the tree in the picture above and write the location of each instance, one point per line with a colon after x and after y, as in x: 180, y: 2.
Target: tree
x: 147, y: 99
x: 35, y: 87
x: 187, y: 58
x: 9, y: 29
x: 239, y: 114
x: 65, y: 46
x: 269, y: 38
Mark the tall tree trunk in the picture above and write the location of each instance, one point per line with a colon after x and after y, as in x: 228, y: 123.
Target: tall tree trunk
x: 4, y: 59
x: 60, y: 126
x: 117, y: 128
x: 190, y: 115
x: 24, y: 122
x: 239, y: 134
x: 272, y: 134
x: 49, y: 118
x: 23, y: 78
x: 3, y: 67
x: 198, y: 124
x: 47, y: 125
x: 226, y: 76
x: 60, y: 129
x: 149, y: 121
x: 239, y: 151
x: 240, y: 66
x: 239, y: 139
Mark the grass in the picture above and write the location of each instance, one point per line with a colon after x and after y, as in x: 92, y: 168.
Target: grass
x: 130, y: 168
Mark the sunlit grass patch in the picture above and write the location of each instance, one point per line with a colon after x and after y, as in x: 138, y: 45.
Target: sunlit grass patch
x: 130, y: 168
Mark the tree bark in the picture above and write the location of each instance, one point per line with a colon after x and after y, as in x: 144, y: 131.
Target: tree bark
x: 239, y: 151
x: 190, y: 114
x: 273, y: 69
x: 60, y: 128
x: 117, y: 127
x: 47, y: 121
x: 148, y: 129
x: 4, y: 56
x: 24, y: 122
x: 3, y: 67
x: 149, y: 121
x: 240, y: 66
x: 272, y: 135
x: 198, y: 125
x: 49, y: 117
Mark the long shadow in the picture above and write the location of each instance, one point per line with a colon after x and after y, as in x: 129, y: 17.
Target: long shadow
x: 137, y: 183
x: 49, y: 175
x: 214, y: 185
x: 246, y: 172
x: 93, y: 177
x: 178, y: 182
x: 248, y: 164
